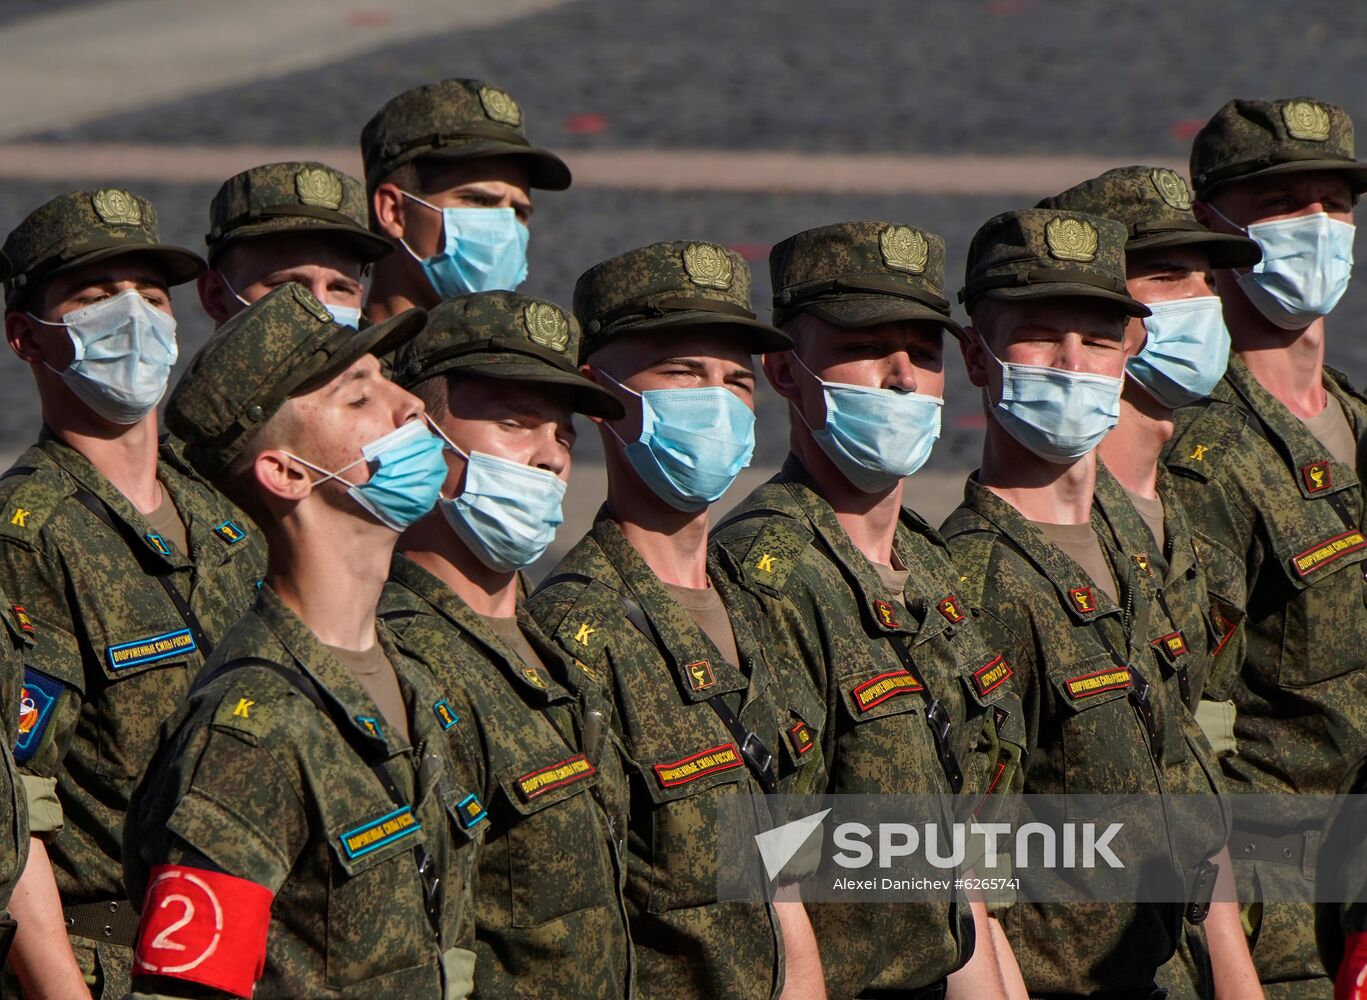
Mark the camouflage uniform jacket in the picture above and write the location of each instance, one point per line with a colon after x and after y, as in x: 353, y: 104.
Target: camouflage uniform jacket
x: 14, y: 831
x: 1098, y: 720
x: 1278, y: 527
x: 816, y: 594
x: 548, y: 896
x: 682, y: 760
x: 111, y: 657
x: 258, y: 783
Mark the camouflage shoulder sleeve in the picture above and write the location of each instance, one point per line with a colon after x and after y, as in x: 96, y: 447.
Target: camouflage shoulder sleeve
x: 1202, y: 444
x: 581, y: 616
x: 36, y: 497
x: 765, y: 550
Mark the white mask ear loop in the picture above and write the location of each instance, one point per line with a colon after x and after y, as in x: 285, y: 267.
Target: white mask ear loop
x: 404, y: 243
x: 449, y: 443
x: 229, y: 286
x: 77, y: 347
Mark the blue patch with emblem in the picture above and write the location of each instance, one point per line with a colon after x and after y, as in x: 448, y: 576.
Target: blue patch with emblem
x: 35, y: 710
x: 370, y: 725
x: 151, y: 649
x: 471, y: 811
x: 370, y: 837
x: 157, y: 542
x: 230, y: 531
x: 445, y: 716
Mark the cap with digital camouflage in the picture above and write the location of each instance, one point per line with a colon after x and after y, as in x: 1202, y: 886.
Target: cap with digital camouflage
x: 503, y: 335
x: 283, y: 344
x: 293, y: 198
x: 84, y: 226
x: 1034, y: 253
x: 855, y: 274
x: 1248, y: 138
x: 454, y: 119
x: 1154, y: 205
x: 668, y: 286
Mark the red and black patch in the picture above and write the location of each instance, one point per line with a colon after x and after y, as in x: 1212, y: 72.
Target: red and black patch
x: 545, y: 779
x: 877, y: 690
x: 700, y: 675
x: 1174, y: 643
x: 1317, y: 477
x: 722, y: 757
x: 800, y: 738
x: 951, y: 609
x: 887, y: 614
x: 991, y: 675
x: 1082, y: 599
x: 1088, y: 685
x: 1318, y: 556
x: 22, y: 617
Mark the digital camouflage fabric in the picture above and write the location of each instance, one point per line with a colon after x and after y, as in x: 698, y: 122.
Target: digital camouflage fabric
x: 85, y: 226
x: 305, y: 197
x: 1154, y: 205
x: 454, y: 119
x: 605, y: 608
x: 1250, y: 138
x: 1036, y: 253
x: 20, y: 714
x: 110, y: 655
x: 503, y: 335
x: 259, y: 784
x: 1279, y: 529
x: 1103, y: 715
x: 855, y: 274
x: 813, y: 597
x: 665, y: 286
x: 283, y: 344
x: 547, y: 903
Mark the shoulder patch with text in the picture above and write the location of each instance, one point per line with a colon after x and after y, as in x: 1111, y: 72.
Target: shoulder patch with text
x: 1322, y: 554
x: 537, y: 783
x: 471, y: 811
x: 1175, y: 643
x: 155, y: 647
x: 371, y: 836
x: 1110, y: 679
x: 877, y: 690
x: 991, y: 675
x: 722, y: 757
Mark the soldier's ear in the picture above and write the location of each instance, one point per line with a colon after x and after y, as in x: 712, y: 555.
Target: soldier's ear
x: 19, y: 331
x: 781, y: 372
x: 975, y: 361
x: 218, y: 303
x: 387, y: 208
x: 280, y: 474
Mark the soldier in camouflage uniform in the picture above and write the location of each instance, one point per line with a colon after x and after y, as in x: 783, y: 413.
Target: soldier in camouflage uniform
x: 14, y: 830
x: 279, y: 222
x: 865, y: 589
x: 449, y: 173
x: 532, y: 721
x: 1267, y: 468
x: 1079, y: 621
x: 703, y: 709
x: 304, y: 830
x: 1176, y: 357
x: 128, y: 565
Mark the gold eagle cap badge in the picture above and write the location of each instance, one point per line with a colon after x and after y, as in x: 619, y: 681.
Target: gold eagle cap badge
x: 500, y: 106
x: 904, y: 249
x: 116, y: 207
x: 708, y: 266
x: 1171, y: 188
x: 546, y: 325
x: 1306, y: 120
x: 1071, y: 239
x: 316, y: 186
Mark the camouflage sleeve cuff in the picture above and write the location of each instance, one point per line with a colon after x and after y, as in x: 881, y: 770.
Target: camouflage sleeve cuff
x: 45, y: 818
x: 1217, y: 722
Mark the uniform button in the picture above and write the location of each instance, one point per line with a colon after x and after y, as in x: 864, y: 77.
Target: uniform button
x: 1248, y: 848
x: 1286, y: 852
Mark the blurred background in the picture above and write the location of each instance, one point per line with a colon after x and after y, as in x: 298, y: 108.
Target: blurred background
x: 737, y: 122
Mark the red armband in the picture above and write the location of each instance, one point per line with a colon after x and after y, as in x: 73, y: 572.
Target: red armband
x: 1351, y: 983
x: 205, y: 927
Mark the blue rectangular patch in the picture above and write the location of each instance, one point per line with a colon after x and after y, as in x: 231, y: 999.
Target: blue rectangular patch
x: 370, y: 725
x: 471, y: 811
x: 39, y: 696
x: 151, y: 649
x: 230, y: 532
x: 370, y: 837
x: 445, y: 716
x: 157, y: 542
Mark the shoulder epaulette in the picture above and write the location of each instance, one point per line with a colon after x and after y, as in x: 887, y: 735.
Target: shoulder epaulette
x: 1198, y: 449
x: 36, y: 496
x: 774, y: 552
x: 585, y: 628
x: 972, y: 557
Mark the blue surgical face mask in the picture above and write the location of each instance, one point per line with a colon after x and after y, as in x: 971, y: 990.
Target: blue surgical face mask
x: 409, y: 469
x: 1306, y: 264
x: 875, y: 437
x: 485, y: 250
x: 507, y: 513
x: 1058, y: 415
x: 1186, y: 352
x: 693, y: 443
x: 123, y: 352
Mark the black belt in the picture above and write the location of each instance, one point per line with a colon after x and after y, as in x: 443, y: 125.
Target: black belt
x: 1285, y: 848
x: 109, y: 920
x: 935, y: 991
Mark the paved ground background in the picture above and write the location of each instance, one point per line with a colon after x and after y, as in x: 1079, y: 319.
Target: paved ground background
x: 1125, y: 81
